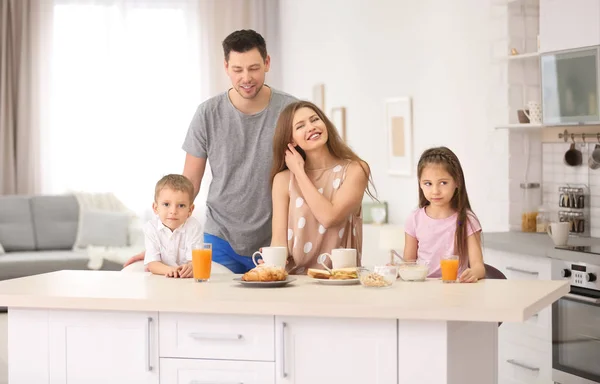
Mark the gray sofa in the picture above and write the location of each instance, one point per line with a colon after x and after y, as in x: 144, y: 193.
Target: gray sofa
x: 38, y: 234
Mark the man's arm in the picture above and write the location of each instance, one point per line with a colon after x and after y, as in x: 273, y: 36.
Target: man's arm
x: 193, y: 169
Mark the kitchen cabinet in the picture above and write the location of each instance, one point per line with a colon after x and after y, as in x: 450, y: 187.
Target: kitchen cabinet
x: 524, y: 349
x: 324, y: 351
x: 569, y: 24
x: 194, y: 371
x: 99, y: 348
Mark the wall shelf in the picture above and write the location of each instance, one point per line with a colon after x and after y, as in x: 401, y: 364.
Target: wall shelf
x: 523, y: 56
x: 521, y: 127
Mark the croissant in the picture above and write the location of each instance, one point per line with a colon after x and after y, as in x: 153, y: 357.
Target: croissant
x: 265, y: 274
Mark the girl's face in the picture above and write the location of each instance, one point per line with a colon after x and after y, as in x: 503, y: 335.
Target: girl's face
x: 308, y: 130
x: 437, y: 185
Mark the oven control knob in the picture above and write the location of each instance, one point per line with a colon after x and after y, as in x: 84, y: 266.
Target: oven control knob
x: 590, y: 277
x: 565, y: 273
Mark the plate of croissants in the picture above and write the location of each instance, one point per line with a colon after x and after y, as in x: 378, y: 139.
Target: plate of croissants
x: 265, y: 276
x: 340, y: 276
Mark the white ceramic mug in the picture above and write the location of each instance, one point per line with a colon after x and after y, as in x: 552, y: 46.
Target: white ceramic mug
x: 559, y: 233
x: 272, y: 256
x: 342, y: 257
x: 535, y: 112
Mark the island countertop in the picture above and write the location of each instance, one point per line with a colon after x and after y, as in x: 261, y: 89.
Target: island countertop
x: 487, y: 300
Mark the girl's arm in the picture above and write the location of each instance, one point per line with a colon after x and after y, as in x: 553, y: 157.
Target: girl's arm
x: 346, y: 201
x: 410, y: 247
x: 281, y: 204
x: 476, y: 270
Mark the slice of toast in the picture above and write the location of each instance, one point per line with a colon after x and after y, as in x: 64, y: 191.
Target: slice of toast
x: 339, y: 274
x: 318, y: 273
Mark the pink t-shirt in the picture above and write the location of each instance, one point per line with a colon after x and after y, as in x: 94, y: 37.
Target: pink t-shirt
x: 436, y: 236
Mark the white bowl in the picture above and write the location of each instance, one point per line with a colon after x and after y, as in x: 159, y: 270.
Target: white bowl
x: 413, y: 271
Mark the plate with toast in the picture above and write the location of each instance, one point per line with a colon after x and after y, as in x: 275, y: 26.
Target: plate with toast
x: 265, y: 277
x: 340, y: 276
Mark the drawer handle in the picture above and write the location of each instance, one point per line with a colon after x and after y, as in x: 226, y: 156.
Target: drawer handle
x: 215, y: 382
x: 522, y: 271
x: 521, y: 365
x: 212, y: 336
x: 148, y: 354
x: 283, y: 372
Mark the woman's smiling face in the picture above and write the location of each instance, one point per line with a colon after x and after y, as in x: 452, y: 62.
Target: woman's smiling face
x: 308, y: 130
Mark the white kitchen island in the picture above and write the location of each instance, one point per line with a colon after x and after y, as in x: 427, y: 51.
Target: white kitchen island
x: 92, y: 327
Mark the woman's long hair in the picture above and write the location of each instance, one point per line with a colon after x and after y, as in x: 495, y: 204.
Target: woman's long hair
x: 460, y: 200
x: 335, y: 144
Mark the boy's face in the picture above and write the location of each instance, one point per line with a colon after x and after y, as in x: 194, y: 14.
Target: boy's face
x: 247, y: 72
x: 173, y: 207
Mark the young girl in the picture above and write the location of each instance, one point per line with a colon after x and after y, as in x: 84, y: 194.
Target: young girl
x: 318, y: 187
x: 444, y: 224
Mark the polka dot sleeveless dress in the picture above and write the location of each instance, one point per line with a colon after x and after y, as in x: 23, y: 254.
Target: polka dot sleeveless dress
x: 307, y: 238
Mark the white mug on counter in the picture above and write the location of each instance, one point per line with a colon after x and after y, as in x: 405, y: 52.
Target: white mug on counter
x: 559, y: 233
x: 342, y: 257
x: 272, y: 256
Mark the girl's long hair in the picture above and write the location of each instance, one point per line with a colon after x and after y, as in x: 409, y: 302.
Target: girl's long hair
x: 335, y: 144
x: 460, y: 200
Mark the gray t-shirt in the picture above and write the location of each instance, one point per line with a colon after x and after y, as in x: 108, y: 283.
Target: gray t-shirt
x: 239, y: 148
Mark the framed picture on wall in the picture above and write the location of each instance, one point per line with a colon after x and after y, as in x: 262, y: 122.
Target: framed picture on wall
x: 398, y: 122
x: 318, y: 97
x: 338, y: 118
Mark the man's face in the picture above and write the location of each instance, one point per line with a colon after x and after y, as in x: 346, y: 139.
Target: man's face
x: 247, y: 72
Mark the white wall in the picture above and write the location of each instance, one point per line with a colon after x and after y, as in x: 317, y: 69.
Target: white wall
x: 435, y: 51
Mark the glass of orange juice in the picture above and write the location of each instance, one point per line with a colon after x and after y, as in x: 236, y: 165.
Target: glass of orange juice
x: 449, y: 267
x: 201, y: 261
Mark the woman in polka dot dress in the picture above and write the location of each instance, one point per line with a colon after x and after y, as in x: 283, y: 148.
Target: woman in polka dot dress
x: 318, y: 187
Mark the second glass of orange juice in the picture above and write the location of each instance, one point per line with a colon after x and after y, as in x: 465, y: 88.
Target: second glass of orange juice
x: 201, y: 261
x: 449, y: 267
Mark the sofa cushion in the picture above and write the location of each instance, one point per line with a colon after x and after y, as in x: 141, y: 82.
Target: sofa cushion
x: 103, y: 228
x: 55, y: 221
x: 16, y: 225
x: 19, y: 264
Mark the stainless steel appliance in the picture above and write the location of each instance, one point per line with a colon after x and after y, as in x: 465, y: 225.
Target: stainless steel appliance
x: 570, y: 86
x: 576, y: 322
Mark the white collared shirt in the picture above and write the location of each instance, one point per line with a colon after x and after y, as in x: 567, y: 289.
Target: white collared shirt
x: 171, y: 247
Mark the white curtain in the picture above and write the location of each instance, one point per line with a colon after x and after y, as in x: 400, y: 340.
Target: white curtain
x: 126, y: 78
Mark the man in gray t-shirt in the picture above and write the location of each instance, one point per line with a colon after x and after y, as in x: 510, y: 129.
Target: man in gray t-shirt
x: 234, y: 131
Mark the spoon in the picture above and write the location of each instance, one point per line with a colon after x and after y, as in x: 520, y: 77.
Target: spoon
x: 321, y: 260
x: 397, y: 255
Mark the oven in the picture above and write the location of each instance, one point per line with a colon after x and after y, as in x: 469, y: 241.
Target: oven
x: 576, y: 325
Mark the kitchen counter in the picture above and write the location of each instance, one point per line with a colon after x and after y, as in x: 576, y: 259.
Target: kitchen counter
x: 539, y: 245
x: 487, y: 300
x: 99, y: 327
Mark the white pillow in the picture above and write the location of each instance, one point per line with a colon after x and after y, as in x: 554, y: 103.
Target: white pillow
x: 1, y: 250
x: 103, y: 228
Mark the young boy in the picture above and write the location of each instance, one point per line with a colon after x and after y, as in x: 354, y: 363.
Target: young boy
x: 169, y: 238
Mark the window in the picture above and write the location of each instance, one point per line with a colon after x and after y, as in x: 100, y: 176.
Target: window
x: 125, y: 82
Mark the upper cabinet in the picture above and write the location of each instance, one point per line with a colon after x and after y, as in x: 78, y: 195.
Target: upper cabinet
x: 568, y: 24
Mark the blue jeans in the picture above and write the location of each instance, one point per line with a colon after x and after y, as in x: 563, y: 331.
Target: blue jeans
x: 223, y: 254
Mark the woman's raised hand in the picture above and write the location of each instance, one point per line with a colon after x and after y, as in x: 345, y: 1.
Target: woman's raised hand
x: 294, y: 160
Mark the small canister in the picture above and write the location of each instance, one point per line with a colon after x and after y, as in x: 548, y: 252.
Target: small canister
x: 531, y: 200
x: 542, y: 219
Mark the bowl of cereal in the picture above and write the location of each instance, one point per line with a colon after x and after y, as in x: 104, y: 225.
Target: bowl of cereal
x: 378, y: 276
x: 413, y: 271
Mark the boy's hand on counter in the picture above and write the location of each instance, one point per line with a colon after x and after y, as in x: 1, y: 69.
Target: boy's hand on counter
x: 186, y: 271
x: 468, y: 276
x: 173, y: 272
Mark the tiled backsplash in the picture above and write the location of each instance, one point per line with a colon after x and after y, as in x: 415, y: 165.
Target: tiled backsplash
x: 556, y: 173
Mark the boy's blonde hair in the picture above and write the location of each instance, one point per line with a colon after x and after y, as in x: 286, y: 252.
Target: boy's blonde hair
x: 176, y: 183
